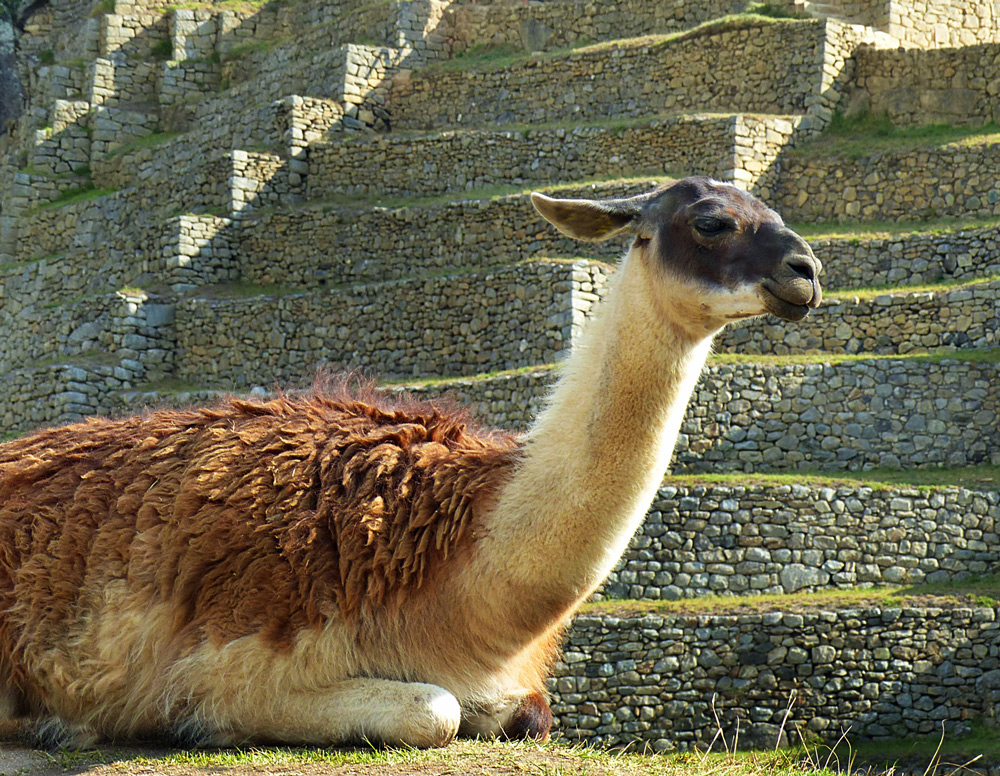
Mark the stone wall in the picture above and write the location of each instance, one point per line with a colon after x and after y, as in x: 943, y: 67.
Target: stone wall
x: 633, y: 78
x: 318, y: 247
x: 900, y: 414
x: 959, y: 86
x: 931, y: 23
x: 126, y: 326
x: 508, y: 317
x: 724, y: 147
x: 889, y: 323
x: 953, y: 180
x: 766, y: 539
x: 882, y: 673
x: 183, y: 252
x: 864, y: 261
x: 540, y: 26
x: 58, y: 393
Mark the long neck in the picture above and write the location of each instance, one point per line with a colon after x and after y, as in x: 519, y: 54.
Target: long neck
x: 596, y: 455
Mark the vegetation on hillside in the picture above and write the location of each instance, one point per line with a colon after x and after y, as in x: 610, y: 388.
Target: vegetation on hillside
x: 862, y: 135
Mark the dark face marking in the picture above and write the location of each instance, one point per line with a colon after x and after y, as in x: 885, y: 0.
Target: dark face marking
x: 723, y: 237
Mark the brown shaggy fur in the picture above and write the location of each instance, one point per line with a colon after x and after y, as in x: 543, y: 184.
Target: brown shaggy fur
x: 251, y: 517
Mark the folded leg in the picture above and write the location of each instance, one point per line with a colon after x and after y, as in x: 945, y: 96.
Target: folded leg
x: 352, y: 711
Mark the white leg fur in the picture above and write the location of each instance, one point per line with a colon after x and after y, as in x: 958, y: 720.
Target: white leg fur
x: 377, y: 710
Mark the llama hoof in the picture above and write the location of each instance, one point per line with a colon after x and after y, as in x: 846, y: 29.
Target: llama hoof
x: 517, y: 717
x: 532, y: 718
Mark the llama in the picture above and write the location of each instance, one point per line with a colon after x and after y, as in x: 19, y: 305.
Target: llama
x: 332, y: 568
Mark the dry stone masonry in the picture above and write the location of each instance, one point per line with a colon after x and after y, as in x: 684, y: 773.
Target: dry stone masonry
x: 663, y: 679
x: 730, y: 540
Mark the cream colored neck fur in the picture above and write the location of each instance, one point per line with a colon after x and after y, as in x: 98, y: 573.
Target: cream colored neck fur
x: 596, y: 455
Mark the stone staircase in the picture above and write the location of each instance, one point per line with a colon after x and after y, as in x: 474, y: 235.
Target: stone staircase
x: 204, y: 200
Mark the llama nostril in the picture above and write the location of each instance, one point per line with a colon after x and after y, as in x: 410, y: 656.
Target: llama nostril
x: 803, y: 269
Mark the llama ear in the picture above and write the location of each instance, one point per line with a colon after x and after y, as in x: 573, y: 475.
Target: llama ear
x: 591, y: 219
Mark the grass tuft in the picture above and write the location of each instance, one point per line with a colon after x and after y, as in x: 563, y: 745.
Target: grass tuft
x: 984, y: 477
x: 862, y: 136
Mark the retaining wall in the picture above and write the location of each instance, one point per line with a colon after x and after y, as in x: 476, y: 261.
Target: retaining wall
x: 949, y: 181
x: 904, y: 259
x: 930, y: 23
x: 724, y: 147
x: 58, y: 393
x: 889, y: 323
x: 315, y: 247
x: 780, y: 70
x: 766, y: 539
x: 540, y: 26
x: 959, y: 86
x: 497, y: 319
x: 904, y: 414
x: 881, y: 672
x: 126, y: 326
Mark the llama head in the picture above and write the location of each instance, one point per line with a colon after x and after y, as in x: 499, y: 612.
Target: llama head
x: 715, y: 253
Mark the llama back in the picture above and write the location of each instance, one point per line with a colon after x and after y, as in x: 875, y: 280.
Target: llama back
x: 126, y: 546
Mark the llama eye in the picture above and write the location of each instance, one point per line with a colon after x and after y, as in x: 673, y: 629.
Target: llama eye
x: 710, y: 227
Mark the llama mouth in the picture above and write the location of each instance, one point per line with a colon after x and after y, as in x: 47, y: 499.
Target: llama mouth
x: 789, y: 311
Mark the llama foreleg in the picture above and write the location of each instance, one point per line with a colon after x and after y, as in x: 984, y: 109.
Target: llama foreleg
x: 355, y: 710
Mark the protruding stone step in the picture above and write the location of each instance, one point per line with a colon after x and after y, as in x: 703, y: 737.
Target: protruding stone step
x: 509, y: 316
x: 896, y: 413
x: 727, y: 147
x: 697, y: 70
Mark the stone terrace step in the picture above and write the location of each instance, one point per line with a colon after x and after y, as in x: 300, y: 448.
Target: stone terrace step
x: 927, y: 254
x: 127, y: 327
x: 729, y: 147
x: 721, y: 539
x: 892, y: 322
x: 879, y: 672
x: 848, y: 415
x: 322, y: 245
x: 182, y: 252
x: 713, y: 68
x: 955, y: 180
x: 509, y: 316
x: 897, y: 413
x: 558, y: 23
x: 59, y: 393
